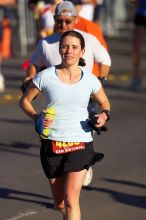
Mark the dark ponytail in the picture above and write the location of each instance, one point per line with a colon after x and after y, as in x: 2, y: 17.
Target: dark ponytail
x: 82, y: 62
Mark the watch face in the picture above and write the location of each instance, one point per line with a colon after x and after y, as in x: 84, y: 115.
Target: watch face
x: 103, y: 80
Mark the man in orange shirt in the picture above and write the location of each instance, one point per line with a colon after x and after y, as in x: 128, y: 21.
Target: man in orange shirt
x: 92, y: 28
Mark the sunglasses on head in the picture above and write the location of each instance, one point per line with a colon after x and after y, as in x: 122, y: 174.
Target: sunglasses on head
x: 66, y: 21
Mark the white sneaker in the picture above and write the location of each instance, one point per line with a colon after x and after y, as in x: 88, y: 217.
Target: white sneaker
x: 2, y: 83
x: 88, y: 177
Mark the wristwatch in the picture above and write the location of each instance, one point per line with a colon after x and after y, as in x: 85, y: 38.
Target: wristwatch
x: 108, y: 114
x: 103, y: 80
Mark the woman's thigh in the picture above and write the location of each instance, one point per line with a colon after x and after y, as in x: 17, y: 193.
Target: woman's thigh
x: 73, y: 183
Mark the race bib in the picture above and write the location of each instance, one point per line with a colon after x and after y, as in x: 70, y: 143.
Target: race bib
x: 60, y: 147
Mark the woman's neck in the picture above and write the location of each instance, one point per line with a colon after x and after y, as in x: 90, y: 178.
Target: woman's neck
x: 69, y: 74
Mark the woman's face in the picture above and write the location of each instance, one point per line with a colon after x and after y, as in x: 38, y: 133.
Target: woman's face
x: 70, y: 50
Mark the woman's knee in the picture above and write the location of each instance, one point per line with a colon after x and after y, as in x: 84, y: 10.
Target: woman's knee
x: 72, y: 199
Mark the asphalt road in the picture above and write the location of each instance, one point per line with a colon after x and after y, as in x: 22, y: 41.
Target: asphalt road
x: 118, y: 188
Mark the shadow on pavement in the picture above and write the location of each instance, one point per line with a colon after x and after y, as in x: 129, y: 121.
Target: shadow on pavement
x: 125, y: 182
x: 16, y: 121
x: 121, y: 197
x: 18, y: 146
x: 12, y: 194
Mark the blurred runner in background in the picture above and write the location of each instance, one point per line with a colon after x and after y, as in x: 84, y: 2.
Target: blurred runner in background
x: 138, y: 40
x: 87, y: 10
x: 44, y: 15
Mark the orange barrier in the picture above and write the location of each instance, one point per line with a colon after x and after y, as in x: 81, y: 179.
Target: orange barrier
x: 6, y: 39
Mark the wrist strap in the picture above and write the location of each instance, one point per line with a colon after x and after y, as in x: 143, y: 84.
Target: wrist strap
x: 107, y: 112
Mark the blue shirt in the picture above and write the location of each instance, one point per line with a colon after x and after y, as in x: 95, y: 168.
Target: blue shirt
x: 70, y: 104
x: 141, y: 8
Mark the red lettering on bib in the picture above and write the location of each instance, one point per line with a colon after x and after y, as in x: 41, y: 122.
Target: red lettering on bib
x: 60, y: 147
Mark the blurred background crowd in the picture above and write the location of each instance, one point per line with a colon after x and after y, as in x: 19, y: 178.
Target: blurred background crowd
x: 24, y: 22
x: 21, y: 21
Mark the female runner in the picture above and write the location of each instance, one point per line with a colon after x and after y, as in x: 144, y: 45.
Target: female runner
x: 67, y: 153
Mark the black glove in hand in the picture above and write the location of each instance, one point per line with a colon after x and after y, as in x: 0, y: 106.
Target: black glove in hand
x: 93, y: 121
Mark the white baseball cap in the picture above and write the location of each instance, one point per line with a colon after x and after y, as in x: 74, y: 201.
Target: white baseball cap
x: 65, y: 8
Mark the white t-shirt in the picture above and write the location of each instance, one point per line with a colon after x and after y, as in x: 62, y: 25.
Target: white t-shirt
x: 87, y: 11
x: 70, y: 104
x: 47, y: 52
x: 47, y: 17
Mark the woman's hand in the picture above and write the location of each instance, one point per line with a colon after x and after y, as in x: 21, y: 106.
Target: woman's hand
x: 47, y: 122
x: 101, y: 120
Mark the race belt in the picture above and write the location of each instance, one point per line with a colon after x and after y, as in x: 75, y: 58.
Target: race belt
x: 60, y: 147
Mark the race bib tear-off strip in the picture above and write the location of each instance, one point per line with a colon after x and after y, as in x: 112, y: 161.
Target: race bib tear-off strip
x: 60, y: 147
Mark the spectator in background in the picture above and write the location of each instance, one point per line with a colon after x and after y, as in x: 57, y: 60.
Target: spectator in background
x: 87, y: 10
x: 44, y: 15
x: 106, y: 17
x: 120, y: 14
x: 112, y: 15
x: 3, y: 3
x: 138, y: 40
x: 97, y: 6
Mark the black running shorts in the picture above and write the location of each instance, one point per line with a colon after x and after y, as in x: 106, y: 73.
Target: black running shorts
x: 54, y: 165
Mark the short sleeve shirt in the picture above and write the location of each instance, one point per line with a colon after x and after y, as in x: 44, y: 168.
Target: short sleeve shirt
x: 70, y: 104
